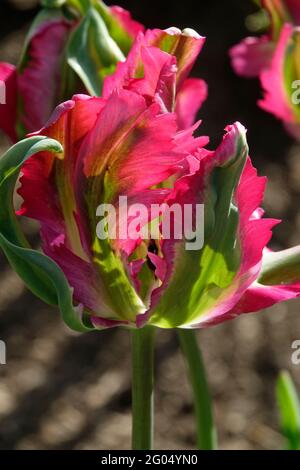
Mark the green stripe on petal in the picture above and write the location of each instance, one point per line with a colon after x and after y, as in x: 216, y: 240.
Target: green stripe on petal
x: 201, y: 279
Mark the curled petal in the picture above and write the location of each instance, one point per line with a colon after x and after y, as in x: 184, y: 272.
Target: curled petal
x: 157, y: 67
x: 148, y: 71
x: 201, y: 279
x: 185, y: 45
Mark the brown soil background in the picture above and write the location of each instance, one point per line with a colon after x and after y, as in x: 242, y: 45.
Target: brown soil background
x: 67, y: 391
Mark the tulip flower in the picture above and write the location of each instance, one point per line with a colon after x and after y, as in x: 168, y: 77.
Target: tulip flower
x: 273, y: 58
x: 136, y: 143
x: 58, y: 61
x: 129, y: 143
x: 153, y: 99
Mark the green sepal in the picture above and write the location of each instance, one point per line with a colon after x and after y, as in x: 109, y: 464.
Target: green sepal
x: 92, y: 53
x: 41, y: 275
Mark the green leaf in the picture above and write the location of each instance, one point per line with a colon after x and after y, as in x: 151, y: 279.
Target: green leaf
x: 41, y: 275
x: 92, y: 52
x: 289, y: 408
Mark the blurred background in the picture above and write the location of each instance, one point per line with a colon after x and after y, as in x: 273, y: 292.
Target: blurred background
x: 60, y: 390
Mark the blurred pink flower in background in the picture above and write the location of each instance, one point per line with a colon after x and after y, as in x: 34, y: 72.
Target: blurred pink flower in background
x: 274, y: 58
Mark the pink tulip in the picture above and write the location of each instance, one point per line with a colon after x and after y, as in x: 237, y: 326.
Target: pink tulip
x: 130, y: 143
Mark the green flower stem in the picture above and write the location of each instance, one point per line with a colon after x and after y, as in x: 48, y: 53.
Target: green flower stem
x: 206, y: 432
x: 142, y: 388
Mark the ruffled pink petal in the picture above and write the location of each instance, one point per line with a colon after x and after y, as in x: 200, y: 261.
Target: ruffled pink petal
x: 255, y: 232
x: 135, y: 140
x: 190, y: 98
x: 157, y: 67
x: 158, y: 81
x: 42, y: 181
x: 185, y: 45
x: 276, y: 99
x: 186, y: 141
x: 8, y: 102
x: 251, y: 56
x: 39, y: 81
x: 37, y: 191
x: 83, y: 119
x: 37, y: 186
